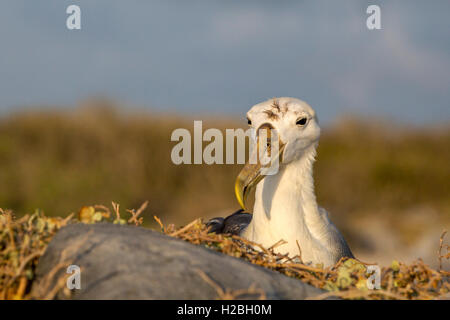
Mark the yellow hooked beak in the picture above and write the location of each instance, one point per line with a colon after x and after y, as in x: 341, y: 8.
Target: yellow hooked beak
x: 252, y: 174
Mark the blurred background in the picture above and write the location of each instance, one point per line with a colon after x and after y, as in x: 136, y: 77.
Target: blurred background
x: 86, y: 115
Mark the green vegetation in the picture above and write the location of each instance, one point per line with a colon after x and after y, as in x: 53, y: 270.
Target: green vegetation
x: 24, y: 240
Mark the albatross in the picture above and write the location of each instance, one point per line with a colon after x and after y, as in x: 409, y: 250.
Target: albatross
x: 285, y: 205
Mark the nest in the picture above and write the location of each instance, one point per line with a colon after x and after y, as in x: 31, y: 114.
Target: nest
x: 24, y: 240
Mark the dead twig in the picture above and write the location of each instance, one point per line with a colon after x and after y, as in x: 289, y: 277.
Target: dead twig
x: 135, y: 214
x: 441, y: 244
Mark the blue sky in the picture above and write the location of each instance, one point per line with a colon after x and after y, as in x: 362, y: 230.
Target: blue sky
x: 224, y: 56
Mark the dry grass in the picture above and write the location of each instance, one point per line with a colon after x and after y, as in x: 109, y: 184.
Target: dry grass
x: 23, y: 241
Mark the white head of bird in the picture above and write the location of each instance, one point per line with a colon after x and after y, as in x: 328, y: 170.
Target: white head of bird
x: 285, y: 204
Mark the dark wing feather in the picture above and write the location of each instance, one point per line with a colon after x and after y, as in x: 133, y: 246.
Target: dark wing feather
x: 232, y: 224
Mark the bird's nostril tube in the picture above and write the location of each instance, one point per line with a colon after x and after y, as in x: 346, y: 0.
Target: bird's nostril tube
x: 265, y: 132
x: 265, y: 126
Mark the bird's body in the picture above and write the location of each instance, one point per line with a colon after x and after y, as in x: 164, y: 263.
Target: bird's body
x: 286, y: 208
x: 285, y: 204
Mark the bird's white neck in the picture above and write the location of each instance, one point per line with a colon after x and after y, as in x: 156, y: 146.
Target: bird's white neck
x: 286, y: 208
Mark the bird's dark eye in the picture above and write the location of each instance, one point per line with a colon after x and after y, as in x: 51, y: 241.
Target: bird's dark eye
x: 301, y: 121
x: 249, y: 122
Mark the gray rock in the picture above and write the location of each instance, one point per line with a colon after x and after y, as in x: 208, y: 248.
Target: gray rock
x: 125, y: 262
